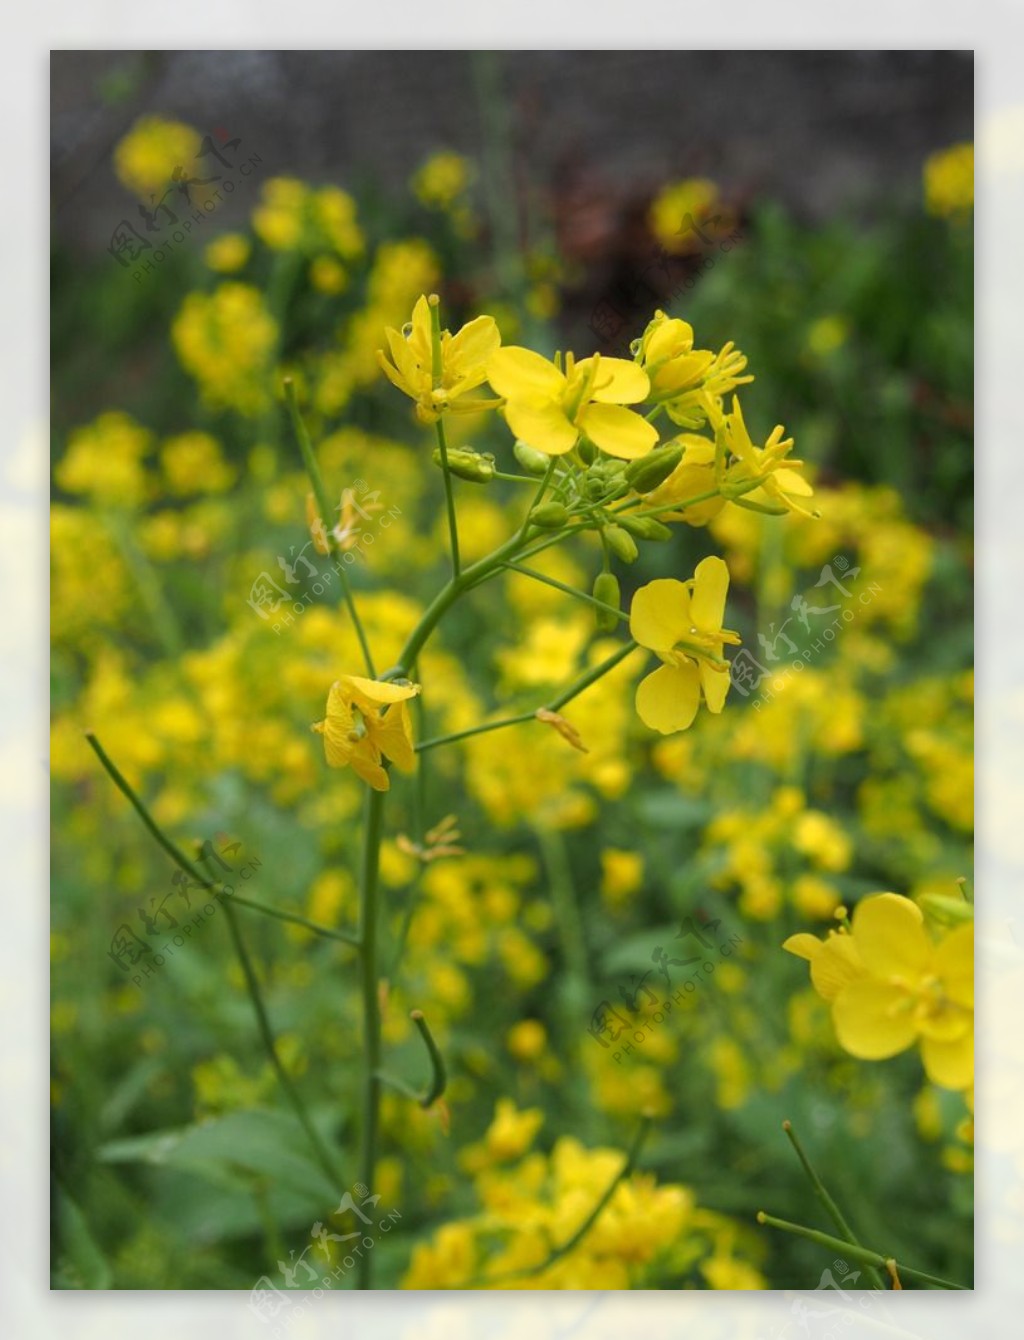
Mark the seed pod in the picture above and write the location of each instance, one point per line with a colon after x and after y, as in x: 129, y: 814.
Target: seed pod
x: 654, y: 468
x: 621, y: 543
x: 550, y: 515
x: 606, y: 589
x: 534, y: 462
x: 644, y: 527
x: 467, y: 464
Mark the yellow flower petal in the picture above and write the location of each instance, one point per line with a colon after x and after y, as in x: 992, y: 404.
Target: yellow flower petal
x: 393, y: 737
x: 707, y: 604
x: 472, y: 347
x: 618, y: 431
x: 682, y: 373
x: 660, y: 614
x: 954, y: 964
x: 791, y: 481
x: 618, y: 381
x: 668, y: 698
x: 836, y: 966
x: 374, y: 690
x: 803, y: 945
x: 543, y: 427
x: 949, y: 1064
x: 671, y: 337
x: 520, y: 374
x: 871, y: 1019
x: 890, y: 935
x: 715, y: 684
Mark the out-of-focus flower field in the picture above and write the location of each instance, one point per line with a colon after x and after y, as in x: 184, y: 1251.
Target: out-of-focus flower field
x: 594, y: 934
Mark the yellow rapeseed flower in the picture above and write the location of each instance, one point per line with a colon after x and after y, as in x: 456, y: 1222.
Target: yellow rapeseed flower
x: 682, y: 623
x: 890, y: 986
x: 779, y: 485
x: 549, y: 409
x: 358, y: 735
x: 464, y: 359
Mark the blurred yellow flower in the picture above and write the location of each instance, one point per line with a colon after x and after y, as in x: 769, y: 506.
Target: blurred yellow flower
x: 104, y: 461
x: 949, y: 181
x: 682, y: 623
x: 192, y: 463
x: 228, y: 253
x: 675, y: 205
x: 356, y: 733
x: 442, y: 179
x: 145, y: 159
x: 463, y: 359
x: 549, y: 409
x: 890, y: 986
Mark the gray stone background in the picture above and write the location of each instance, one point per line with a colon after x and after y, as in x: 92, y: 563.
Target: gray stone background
x: 595, y: 131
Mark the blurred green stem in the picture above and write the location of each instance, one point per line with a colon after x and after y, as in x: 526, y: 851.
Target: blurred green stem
x: 862, y: 1254
x: 372, y: 833
x: 831, y: 1208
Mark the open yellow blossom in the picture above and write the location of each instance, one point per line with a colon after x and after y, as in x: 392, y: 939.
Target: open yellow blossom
x: 549, y: 409
x: 779, y: 485
x: 358, y: 736
x: 464, y: 359
x: 890, y: 986
x: 682, y: 623
x: 689, y: 382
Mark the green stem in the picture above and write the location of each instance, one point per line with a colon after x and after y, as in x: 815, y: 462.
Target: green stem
x: 568, y: 590
x: 372, y: 831
x: 449, y: 498
x: 324, y: 507
x: 831, y: 1208
x: 563, y: 898
x: 296, y: 920
x: 175, y: 853
x: 566, y: 1247
x: 574, y: 690
x: 438, y: 1076
x: 267, y: 1036
x: 862, y: 1254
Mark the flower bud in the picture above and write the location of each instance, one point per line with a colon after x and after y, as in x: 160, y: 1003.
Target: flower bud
x: 654, y: 468
x: 550, y: 515
x: 586, y: 451
x: 532, y: 461
x: 465, y: 463
x: 620, y: 542
x: 644, y: 527
x: 606, y: 589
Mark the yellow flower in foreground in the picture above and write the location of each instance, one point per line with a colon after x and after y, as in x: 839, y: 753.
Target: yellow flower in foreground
x: 549, y: 409
x: 779, y: 485
x: 358, y: 736
x: 890, y: 986
x: 689, y: 382
x: 464, y: 360
x: 682, y: 623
